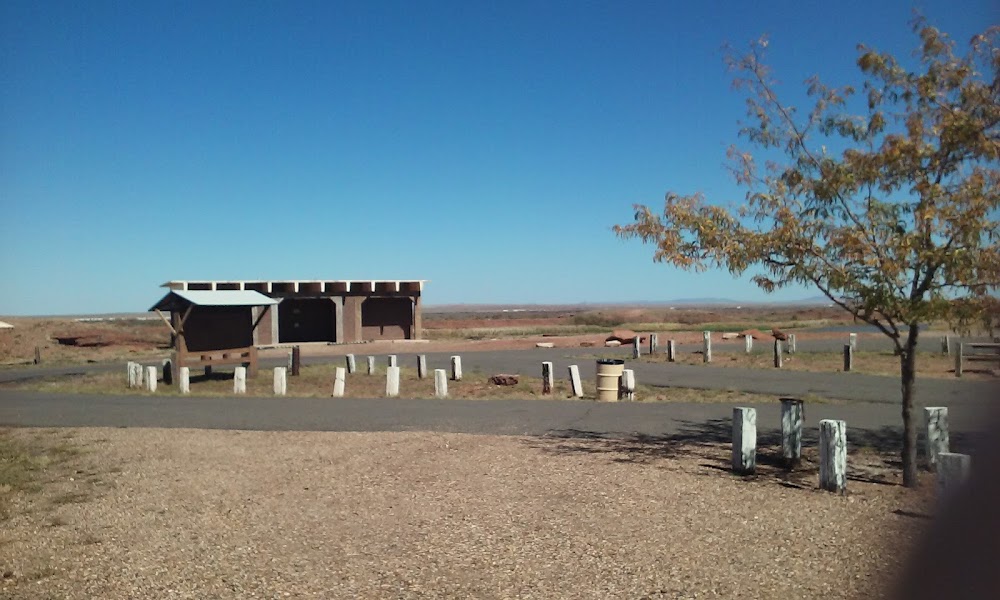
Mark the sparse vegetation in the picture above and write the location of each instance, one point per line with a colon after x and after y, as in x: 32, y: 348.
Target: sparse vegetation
x: 23, y: 463
x: 317, y: 382
x: 74, y: 497
x: 514, y: 331
x: 872, y: 363
x: 517, y: 331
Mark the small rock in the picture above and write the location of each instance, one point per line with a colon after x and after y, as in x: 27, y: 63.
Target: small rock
x: 612, y: 343
x: 545, y: 345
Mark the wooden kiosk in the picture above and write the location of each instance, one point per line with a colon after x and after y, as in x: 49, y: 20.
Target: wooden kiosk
x: 216, y: 327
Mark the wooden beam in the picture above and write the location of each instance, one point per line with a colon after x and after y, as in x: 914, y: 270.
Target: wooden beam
x: 172, y: 330
x: 187, y: 313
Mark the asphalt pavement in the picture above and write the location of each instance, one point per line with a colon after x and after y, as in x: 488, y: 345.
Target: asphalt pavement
x: 870, y: 403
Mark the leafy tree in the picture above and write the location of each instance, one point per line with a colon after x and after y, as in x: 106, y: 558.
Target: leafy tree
x: 891, y: 213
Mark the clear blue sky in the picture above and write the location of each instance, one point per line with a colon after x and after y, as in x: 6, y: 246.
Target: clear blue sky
x: 487, y: 147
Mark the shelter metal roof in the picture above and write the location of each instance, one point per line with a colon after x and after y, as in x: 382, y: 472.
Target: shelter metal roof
x: 268, y: 286
x: 177, y: 298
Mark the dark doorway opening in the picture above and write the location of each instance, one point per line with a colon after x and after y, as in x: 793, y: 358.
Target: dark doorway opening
x: 307, y: 320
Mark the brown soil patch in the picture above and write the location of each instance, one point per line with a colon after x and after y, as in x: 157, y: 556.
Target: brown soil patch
x: 94, y: 341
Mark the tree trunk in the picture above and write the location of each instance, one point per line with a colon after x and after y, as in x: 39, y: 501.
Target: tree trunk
x: 908, y: 373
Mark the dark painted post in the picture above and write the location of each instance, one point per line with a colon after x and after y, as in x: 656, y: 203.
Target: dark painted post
x: 296, y: 360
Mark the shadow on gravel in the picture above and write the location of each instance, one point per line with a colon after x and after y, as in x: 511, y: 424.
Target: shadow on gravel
x: 215, y: 375
x: 873, y: 455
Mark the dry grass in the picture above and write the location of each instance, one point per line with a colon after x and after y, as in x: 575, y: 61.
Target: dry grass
x: 511, y: 331
x: 515, y: 331
x: 317, y: 382
x: 29, y: 462
x: 101, y: 341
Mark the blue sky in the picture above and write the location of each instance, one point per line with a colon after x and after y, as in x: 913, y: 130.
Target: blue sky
x: 487, y: 147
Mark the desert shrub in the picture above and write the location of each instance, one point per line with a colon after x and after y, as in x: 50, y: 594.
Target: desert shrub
x: 599, y: 318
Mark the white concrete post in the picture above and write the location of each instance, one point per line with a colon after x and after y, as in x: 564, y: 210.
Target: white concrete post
x: 853, y: 339
x: 671, y: 351
x: 953, y: 471
x: 548, y: 378
x: 958, y: 359
x: 290, y: 359
x: 848, y: 358
x: 946, y: 345
x: 936, y: 423
x: 748, y: 343
x: 744, y: 440
x: 149, y: 379
x: 139, y: 375
x: 393, y: 361
x: 791, y: 431
x: 240, y: 380
x: 280, y: 381
x: 628, y: 384
x: 654, y: 343
x: 636, y: 347
x: 833, y: 455
x: 184, y: 380
x: 130, y: 374
x: 574, y: 381
x: 352, y: 364
x: 392, y: 382
x: 777, y: 354
x: 707, y: 346
x: 371, y: 365
x: 440, y: 383
x: 456, y: 368
x: 791, y: 343
x: 421, y: 366
x: 339, y: 382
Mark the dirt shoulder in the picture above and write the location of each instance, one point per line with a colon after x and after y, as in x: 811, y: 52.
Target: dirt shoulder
x: 231, y: 514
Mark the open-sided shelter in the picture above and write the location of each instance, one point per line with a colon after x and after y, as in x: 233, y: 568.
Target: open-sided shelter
x: 333, y: 311
x: 213, y: 327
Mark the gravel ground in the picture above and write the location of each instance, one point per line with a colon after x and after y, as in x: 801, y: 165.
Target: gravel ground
x: 150, y: 513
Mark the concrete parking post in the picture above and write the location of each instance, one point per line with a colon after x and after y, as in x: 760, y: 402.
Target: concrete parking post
x: 744, y: 440
x: 833, y: 455
x: 574, y: 380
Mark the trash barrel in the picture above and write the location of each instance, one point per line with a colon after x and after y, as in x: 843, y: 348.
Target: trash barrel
x: 609, y: 374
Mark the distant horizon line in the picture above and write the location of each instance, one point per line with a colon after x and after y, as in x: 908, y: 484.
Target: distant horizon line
x: 472, y: 306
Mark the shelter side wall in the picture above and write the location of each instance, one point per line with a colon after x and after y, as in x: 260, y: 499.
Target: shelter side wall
x: 218, y: 328
x: 263, y: 334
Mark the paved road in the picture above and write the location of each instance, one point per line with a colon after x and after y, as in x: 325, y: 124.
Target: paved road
x: 873, y: 417
x: 871, y: 424
x: 843, y: 386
